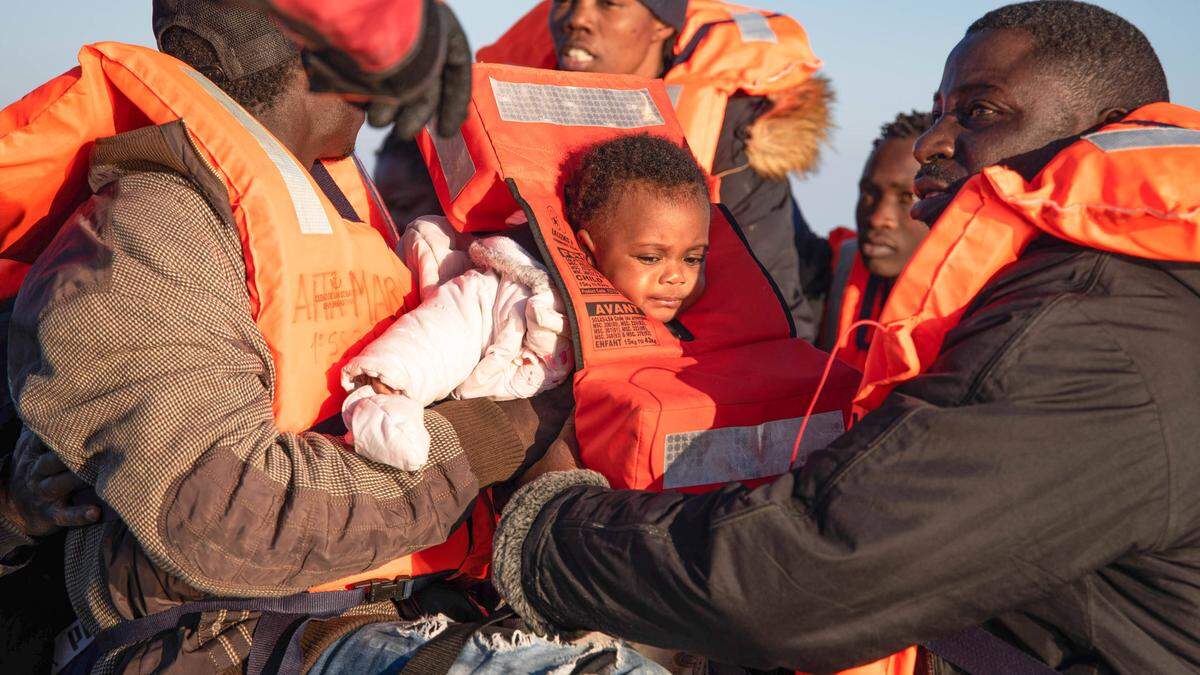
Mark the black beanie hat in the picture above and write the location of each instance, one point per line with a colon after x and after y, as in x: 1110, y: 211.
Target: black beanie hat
x: 244, y: 37
x: 670, y: 12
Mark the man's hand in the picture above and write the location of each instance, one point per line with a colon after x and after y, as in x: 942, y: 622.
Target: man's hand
x: 40, y: 491
x: 563, y: 455
x: 539, y: 420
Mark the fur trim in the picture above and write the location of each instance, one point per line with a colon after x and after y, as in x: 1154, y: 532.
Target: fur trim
x: 508, y: 546
x: 506, y: 258
x: 788, y: 138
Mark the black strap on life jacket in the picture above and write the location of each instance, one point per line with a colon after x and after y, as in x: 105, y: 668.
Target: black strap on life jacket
x: 875, y: 295
x: 275, y: 644
x: 978, y: 652
x: 846, y: 255
x: 436, y: 656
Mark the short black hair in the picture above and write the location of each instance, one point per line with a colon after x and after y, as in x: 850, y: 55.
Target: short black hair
x: 1112, y: 62
x: 906, y: 125
x: 607, y: 169
x: 256, y: 92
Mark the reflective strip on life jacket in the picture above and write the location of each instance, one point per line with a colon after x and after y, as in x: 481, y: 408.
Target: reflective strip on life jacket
x: 723, y: 49
x: 1143, y: 139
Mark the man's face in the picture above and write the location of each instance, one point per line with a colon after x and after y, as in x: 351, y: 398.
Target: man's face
x: 887, y: 234
x: 608, y: 36
x: 996, y: 104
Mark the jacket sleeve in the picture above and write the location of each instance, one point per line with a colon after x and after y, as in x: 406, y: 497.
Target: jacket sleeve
x: 936, y: 512
x: 16, y: 548
x: 134, y: 356
x: 765, y: 211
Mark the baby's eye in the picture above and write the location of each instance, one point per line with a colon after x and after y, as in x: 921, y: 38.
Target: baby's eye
x: 649, y: 259
x: 694, y: 260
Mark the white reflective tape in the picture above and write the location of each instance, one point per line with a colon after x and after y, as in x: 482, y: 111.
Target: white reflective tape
x: 754, y: 27
x: 69, y: 644
x: 309, y: 213
x: 741, y: 453
x: 452, y: 154
x: 575, y: 106
x: 1150, y: 137
x: 673, y: 92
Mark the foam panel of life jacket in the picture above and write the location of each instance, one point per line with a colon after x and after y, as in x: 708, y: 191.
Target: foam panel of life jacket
x: 717, y: 397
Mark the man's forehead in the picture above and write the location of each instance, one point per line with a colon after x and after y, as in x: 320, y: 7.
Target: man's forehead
x: 990, y: 59
x: 893, y: 158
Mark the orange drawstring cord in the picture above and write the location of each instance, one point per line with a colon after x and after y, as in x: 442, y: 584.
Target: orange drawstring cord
x: 821, y: 385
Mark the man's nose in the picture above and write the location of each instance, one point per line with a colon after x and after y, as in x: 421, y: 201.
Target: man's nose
x: 580, y: 15
x: 937, y: 142
x: 883, y: 215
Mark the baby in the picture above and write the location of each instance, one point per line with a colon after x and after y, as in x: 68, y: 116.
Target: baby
x: 495, y: 327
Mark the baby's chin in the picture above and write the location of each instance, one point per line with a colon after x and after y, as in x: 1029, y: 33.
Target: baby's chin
x: 662, y: 314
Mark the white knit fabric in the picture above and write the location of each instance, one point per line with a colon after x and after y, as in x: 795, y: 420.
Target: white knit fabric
x: 489, y: 325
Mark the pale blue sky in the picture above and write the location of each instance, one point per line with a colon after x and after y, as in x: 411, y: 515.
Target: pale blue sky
x: 883, y: 57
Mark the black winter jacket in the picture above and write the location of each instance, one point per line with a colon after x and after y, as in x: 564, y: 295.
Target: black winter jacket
x: 1042, y: 478
x: 768, y: 215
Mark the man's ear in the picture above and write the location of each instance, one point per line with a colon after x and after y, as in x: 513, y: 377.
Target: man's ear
x: 664, y: 32
x: 588, y: 246
x: 1110, y: 116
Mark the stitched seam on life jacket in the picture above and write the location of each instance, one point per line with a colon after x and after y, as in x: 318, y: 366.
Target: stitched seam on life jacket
x: 1183, y: 216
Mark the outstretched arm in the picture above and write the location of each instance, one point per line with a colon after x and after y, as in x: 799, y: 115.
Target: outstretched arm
x: 930, y: 516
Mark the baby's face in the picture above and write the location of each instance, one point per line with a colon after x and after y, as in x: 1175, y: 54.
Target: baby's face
x: 652, y: 248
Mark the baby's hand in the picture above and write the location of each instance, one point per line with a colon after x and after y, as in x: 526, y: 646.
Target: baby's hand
x: 387, y: 428
x: 375, y: 383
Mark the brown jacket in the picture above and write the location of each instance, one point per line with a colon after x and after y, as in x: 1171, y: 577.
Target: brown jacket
x: 134, y: 355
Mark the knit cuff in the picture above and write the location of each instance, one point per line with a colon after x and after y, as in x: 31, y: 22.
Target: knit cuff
x: 488, y: 439
x: 509, y: 543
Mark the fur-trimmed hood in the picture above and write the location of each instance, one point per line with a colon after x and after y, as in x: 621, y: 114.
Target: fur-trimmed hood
x: 788, y: 138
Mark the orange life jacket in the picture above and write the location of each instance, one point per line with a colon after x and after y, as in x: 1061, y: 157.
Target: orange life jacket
x: 723, y: 49
x: 1131, y: 188
x: 854, y: 295
x: 717, y: 396
x: 320, y: 285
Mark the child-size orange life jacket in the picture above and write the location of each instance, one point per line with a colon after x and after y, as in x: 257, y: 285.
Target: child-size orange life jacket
x: 715, y: 398
x: 320, y: 284
x: 722, y: 49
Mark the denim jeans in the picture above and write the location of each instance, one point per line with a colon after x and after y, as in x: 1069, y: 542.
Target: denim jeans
x: 386, y: 647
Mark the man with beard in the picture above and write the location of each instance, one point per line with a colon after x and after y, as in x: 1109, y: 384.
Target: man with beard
x: 1024, y: 454
x: 865, y: 266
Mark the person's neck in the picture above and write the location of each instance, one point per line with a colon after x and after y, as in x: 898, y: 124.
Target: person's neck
x: 290, y: 128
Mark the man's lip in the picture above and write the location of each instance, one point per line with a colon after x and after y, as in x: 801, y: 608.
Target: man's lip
x: 931, y: 206
x: 873, y: 249
x: 925, y: 186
